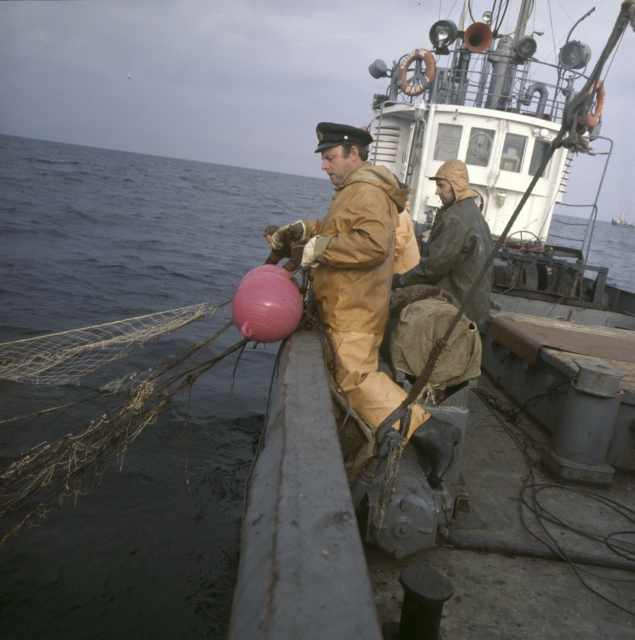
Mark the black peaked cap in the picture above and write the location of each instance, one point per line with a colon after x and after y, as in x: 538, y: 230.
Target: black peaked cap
x: 330, y: 134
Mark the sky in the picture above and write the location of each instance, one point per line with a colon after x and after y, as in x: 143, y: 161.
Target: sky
x: 244, y: 82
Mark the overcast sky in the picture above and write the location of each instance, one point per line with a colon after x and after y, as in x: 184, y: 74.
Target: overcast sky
x: 244, y: 82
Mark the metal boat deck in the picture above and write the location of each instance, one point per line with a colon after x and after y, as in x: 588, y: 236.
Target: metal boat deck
x: 539, y: 357
x: 497, y: 596
x: 302, y: 570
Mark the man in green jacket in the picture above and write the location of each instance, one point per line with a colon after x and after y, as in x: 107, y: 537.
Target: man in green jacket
x: 459, y: 243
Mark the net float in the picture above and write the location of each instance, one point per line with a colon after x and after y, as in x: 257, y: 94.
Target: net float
x: 267, y: 305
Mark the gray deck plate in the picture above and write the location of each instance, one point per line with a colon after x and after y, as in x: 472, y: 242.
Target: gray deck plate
x: 566, y: 362
x: 511, y: 597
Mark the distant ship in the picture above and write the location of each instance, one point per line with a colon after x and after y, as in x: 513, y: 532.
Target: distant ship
x: 621, y: 221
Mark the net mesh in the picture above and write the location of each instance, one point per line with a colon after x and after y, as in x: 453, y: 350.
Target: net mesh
x: 60, y: 358
x: 67, y: 467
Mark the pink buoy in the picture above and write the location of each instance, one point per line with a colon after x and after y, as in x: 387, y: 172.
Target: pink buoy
x: 272, y: 269
x: 267, y: 305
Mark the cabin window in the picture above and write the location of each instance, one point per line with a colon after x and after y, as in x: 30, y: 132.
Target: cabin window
x: 513, y: 151
x: 479, y: 147
x: 538, y: 155
x: 448, y: 140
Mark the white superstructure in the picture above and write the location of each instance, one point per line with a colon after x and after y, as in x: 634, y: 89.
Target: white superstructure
x: 487, y: 108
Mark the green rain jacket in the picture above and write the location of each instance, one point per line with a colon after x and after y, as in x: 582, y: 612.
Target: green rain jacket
x: 457, y: 249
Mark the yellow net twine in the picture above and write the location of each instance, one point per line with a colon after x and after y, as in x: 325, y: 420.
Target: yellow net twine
x: 71, y: 465
x: 60, y: 358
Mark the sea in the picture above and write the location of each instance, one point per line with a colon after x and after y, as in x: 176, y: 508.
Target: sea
x: 90, y: 236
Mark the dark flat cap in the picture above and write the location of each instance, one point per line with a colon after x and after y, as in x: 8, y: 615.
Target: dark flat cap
x: 330, y: 134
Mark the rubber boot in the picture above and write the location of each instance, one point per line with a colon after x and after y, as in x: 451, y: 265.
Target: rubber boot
x: 435, y: 439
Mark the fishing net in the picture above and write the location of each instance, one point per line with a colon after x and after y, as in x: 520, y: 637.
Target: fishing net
x: 70, y: 465
x: 61, y: 358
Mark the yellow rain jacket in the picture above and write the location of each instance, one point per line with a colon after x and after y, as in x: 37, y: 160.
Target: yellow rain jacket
x: 356, y: 251
x: 407, y: 254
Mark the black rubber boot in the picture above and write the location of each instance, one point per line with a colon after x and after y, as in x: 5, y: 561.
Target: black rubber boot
x: 435, y: 439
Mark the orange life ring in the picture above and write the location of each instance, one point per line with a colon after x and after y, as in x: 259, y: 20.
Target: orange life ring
x: 593, y: 118
x: 431, y: 67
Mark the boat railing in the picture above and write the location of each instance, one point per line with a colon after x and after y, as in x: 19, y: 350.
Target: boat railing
x: 302, y: 571
x: 473, y: 84
x: 585, y: 242
x: 494, y: 80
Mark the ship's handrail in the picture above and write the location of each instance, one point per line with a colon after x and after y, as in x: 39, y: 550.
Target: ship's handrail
x: 585, y: 243
x: 302, y: 571
x: 465, y: 88
x: 472, y: 86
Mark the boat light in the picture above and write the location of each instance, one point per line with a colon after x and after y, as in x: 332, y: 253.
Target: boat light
x: 378, y: 69
x: 487, y: 17
x: 526, y: 47
x: 575, y: 55
x: 442, y: 34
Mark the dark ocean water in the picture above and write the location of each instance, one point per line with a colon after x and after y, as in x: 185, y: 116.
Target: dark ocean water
x: 89, y: 236
x: 611, y: 246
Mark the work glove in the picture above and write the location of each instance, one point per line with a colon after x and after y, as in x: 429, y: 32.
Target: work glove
x: 299, y: 232
x: 308, y: 256
x: 294, y: 254
x: 295, y: 259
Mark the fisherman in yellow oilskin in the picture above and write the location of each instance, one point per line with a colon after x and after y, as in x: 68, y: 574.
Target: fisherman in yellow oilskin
x: 351, y: 252
x: 459, y: 243
x: 407, y: 254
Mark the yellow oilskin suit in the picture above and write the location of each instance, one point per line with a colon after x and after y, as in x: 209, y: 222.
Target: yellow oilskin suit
x: 356, y: 251
x: 407, y: 254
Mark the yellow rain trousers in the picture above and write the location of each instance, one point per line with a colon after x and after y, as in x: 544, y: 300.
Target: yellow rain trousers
x: 372, y: 394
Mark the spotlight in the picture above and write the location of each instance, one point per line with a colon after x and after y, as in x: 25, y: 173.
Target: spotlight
x: 526, y: 47
x: 487, y: 17
x: 442, y: 35
x: 378, y: 69
x: 575, y: 55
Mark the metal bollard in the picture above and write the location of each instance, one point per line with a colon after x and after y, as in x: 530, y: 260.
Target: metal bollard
x: 425, y: 592
x: 580, y: 441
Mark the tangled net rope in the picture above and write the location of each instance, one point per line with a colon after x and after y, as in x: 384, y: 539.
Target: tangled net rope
x: 70, y: 466
x: 63, y: 357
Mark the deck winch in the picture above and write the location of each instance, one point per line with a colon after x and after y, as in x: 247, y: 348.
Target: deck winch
x: 397, y: 509
x: 400, y: 513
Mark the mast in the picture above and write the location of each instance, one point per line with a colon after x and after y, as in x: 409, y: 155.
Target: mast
x: 464, y: 11
x: 504, y: 67
x: 524, y: 14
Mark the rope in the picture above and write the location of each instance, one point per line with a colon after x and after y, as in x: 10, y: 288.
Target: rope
x: 543, y: 514
x: 70, y: 465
